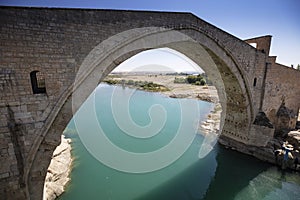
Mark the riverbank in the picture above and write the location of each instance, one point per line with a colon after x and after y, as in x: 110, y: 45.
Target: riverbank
x: 59, y: 170
x: 168, y: 87
x: 212, y: 124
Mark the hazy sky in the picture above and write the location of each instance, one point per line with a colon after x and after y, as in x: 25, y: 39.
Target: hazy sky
x: 244, y: 19
x: 151, y: 60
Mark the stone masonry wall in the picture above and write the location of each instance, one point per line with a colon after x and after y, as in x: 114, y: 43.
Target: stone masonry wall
x: 282, y: 85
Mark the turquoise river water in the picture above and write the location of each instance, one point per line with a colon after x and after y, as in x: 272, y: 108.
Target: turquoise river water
x: 221, y: 174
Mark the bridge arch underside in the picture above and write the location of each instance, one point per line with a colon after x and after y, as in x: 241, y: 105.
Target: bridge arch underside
x: 226, y: 75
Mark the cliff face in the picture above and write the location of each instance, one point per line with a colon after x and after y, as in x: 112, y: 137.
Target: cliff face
x: 58, y: 171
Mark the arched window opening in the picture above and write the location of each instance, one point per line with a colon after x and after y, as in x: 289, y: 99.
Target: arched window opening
x: 254, y: 82
x: 37, y: 82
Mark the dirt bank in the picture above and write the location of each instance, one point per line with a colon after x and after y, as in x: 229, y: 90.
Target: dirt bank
x: 176, y: 90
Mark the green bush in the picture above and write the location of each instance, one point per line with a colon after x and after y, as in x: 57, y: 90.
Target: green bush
x: 130, y: 82
x: 202, y: 82
x: 180, y: 80
x: 197, y: 80
x: 193, y: 78
x: 111, y: 81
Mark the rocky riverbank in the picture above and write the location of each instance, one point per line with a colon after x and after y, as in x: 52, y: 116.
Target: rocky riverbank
x: 274, y: 152
x: 212, y: 123
x: 168, y: 87
x: 59, y: 170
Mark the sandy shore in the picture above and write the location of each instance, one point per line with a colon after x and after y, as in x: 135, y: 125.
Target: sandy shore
x: 176, y: 90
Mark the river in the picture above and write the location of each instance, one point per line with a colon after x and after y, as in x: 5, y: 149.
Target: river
x: 221, y: 174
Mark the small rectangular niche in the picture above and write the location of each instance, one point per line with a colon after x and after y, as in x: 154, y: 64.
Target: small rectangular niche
x: 37, y: 82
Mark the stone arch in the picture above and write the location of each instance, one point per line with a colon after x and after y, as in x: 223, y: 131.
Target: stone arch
x: 216, y: 61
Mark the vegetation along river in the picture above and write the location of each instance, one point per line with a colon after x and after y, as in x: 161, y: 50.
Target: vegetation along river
x: 221, y: 174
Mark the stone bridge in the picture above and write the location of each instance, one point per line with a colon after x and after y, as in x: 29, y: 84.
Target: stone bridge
x: 50, y: 56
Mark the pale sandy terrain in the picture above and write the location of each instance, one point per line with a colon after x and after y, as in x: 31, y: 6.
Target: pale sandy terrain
x: 177, y: 90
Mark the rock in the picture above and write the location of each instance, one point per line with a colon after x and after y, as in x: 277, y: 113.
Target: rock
x: 212, y: 123
x: 294, y: 139
x: 58, y: 171
x: 204, y: 97
x: 179, y: 96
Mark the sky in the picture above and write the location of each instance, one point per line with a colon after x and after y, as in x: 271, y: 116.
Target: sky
x: 150, y: 61
x: 243, y: 19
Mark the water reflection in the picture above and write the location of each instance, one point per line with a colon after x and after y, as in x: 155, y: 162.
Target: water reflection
x: 272, y: 184
x: 190, y: 184
x: 234, y: 172
x: 241, y: 177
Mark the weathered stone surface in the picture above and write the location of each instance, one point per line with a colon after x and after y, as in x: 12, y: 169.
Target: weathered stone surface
x: 286, y: 120
x: 293, y: 138
x: 261, y: 135
x: 58, y: 171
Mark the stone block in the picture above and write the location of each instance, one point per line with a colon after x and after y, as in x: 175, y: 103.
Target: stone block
x: 14, y: 168
x: 3, y: 152
x: 3, y: 142
x: 22, y: 115
x: 11, y: 152
x: 3, y: 123
x: 260, y: 135
x: 4, y: 175
x: 23, y: 108
x: 38, y: 125
x: 5, y: 165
